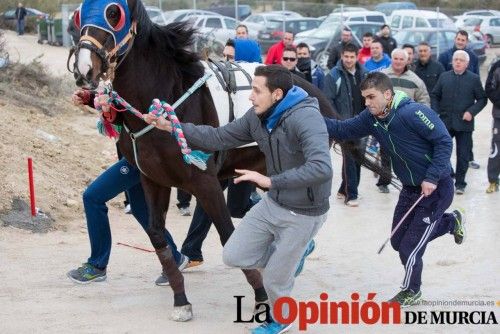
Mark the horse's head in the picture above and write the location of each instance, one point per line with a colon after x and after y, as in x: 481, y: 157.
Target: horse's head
x: 106, y: 30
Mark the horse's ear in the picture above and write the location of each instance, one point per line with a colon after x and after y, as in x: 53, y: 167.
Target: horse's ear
x: 76, y: 19
x: 121, y: 21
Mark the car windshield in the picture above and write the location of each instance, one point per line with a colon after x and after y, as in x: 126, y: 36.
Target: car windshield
x: 434, y: 22
x: 325, y: 31
x: 470, y: 22
x: 411, y: 37
x: 273, y: 25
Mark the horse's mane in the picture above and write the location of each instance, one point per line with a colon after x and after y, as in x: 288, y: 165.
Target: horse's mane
x: 173, y: 41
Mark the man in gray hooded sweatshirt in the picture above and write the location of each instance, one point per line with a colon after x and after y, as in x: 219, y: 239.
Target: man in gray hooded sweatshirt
x: 290, y: 131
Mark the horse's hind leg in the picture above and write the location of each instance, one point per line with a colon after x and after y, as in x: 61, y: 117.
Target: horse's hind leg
x: 158, y: 199
x: 209, y: 193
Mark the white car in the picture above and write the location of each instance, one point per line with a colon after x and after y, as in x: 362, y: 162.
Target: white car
x: 259, y: 22
x: 489, y: 26
x: 219, y: 27
x: 180, y: 15
x: 482, y: 12
x: 153, y: 12
x: 402, y: 19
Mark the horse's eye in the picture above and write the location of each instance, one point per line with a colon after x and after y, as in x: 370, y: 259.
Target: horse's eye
x: 115, y: 15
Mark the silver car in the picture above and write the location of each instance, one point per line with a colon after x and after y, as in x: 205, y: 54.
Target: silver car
x: 488, y: 25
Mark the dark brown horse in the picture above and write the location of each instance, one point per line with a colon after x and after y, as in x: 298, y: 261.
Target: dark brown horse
x: 157, y: 63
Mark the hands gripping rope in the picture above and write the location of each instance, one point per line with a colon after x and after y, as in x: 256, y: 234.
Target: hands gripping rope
x: 105, y: 102
x: 197, y: 158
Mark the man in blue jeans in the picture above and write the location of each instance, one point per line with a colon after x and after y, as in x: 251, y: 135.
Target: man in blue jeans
x: 420, y: 148
x: 342, y: 88
x: 120, y: 177
x: 238, y: 203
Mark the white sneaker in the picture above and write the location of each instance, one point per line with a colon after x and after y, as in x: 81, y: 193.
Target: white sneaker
x: 127, y: 209
x: 352, y: 203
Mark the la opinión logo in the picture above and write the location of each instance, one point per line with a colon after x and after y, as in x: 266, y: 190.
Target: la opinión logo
x: 287, y: 310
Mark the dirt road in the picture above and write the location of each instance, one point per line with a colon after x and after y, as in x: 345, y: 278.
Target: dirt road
x: 36, y: 296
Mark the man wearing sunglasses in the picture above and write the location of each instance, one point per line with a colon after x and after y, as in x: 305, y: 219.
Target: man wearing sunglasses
x: 275, y: 52
x: 289, y: 60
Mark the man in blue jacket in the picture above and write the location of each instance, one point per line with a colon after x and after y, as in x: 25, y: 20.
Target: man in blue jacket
x: 420, y: 150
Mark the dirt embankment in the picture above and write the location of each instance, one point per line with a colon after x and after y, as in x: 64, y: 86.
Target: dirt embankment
x: 39, y: 121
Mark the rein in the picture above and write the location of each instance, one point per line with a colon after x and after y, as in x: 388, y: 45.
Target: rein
x: 159, y: 108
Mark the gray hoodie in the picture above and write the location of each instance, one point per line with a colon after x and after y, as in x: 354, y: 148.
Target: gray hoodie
x: 297, y: 153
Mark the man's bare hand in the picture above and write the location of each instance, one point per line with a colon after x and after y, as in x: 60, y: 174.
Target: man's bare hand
x: 252, y: 176
x: 427, y: 188
x: 159, y: 122
x: 467, y: 116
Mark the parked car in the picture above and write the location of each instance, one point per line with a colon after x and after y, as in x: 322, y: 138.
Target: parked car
x: 180, y: 15
x: 388, y: 7
x: 10, y: 14
x: 8, y: 19
x: 244, y: 11
x: 221, y: 27
x: 355, y: 16
x: 410, y: 19
x: 274, y: 31
x: 153, y: 11
x: 287, y: 13
x: 442, y: 38
x: 341, y: 9
x: 482, y: 12
x: 321, y: 38
x: 487, y: 25
x: 258, y: 22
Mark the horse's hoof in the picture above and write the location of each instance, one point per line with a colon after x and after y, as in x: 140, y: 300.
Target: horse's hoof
x: 182, y: 313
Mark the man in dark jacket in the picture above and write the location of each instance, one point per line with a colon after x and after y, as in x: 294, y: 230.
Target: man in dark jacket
x: 290, y: 131
x: 426, y: 68
x: 388, y: 42
x: 336, y: 48
x: 312, y: 71
x: 492, y: 89
x: 20, y: 15
x: 458, y: 97
x: 445, y: 58
x: 420, y: 149
x: 342, y: 88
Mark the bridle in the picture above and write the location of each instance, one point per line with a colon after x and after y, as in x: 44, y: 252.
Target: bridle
x: 108, y: 59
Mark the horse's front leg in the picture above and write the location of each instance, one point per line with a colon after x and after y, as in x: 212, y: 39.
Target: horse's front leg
x: 209, y: 193
x: 158, y: 198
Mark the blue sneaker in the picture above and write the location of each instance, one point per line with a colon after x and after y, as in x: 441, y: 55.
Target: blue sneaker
x: 271, y: 328
x: 86, y: 274
x: 309, y: 250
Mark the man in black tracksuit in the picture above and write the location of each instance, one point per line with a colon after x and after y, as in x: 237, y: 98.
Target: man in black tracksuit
x: 493, y: 92
x: 420, y: 150
x: 458, y: 97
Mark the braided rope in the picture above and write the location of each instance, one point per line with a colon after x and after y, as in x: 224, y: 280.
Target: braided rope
x: 197, y: 158
x: 158, y: 108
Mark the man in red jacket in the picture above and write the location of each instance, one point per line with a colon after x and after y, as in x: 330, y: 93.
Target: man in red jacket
x: 275, y: 52
x: 365, y: 52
